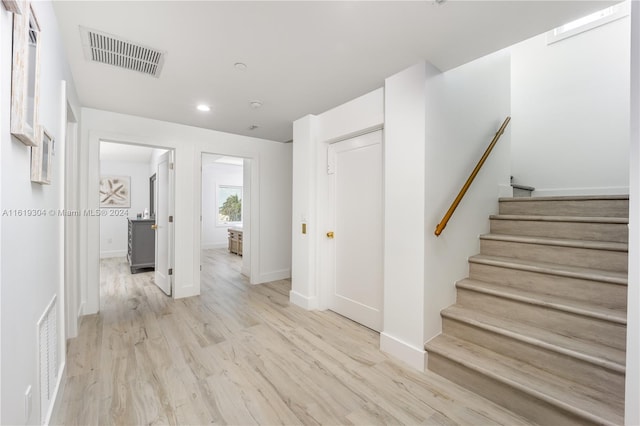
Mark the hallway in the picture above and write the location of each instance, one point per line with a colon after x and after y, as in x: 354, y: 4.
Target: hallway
x: 241, y: 354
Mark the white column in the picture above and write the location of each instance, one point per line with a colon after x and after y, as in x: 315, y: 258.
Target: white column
x: 304, y: 292
x: 404, y: 211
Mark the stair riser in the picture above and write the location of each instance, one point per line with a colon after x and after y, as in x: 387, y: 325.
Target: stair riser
x: 590, y: 231
x: 573, y: 256
x: 567, y: 324
x: 582, y: 208
x: 609, y: 383
x: 514, y: 399
x: 603, y: 294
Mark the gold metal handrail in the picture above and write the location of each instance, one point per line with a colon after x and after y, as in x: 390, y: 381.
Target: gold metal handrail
x: 467, y: 184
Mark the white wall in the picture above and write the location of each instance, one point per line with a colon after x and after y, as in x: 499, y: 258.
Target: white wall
x: 113, y: 226
x: 271, y: 194
x: 570, y: 107
x: 31, y: 271
x: 465, y: 108
x: 632, y: 391
x: 213, y: 175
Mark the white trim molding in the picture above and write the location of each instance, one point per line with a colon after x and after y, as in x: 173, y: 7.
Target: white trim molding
x: 414, y: 357
x: 305, y: 302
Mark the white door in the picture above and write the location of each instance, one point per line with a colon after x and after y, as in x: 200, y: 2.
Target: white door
x: 355, y: 206
x: 164, y: 225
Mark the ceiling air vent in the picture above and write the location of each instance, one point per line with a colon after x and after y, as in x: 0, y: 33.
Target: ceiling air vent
x: 113, y: 50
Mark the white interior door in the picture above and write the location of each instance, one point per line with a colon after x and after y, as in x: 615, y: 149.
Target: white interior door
x: 164, y: 225
x: 355, y: 166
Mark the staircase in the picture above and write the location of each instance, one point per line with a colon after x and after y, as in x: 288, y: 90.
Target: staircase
x: 539, y: 326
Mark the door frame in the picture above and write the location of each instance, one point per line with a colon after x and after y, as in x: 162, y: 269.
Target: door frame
x: 92, y: 302
x: 170, y: 213
x: 323, y: 246
x: 250, y: 267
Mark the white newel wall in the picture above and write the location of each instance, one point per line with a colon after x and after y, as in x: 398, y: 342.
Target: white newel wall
x: 113, y: 226
x: 30, y: 265
x: 465, y: 108
x: 570, y: 107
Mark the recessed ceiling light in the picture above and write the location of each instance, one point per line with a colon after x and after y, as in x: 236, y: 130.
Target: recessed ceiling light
x: 255, y: 104
x: 204, y: 108
x: 240, y: 66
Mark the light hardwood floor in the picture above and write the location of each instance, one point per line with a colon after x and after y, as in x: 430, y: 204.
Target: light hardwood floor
x: 241, y: 354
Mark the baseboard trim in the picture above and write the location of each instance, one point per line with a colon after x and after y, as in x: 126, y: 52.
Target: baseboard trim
x: 80, y: 311
x: 57, y: 394
x: 604, y: 190
x: 308, y: 303
x: 112, y: 253
x: 414, y: 357
x: 282, y: 274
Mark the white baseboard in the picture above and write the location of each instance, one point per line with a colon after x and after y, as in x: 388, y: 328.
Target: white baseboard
x: 414, y: 357
x: 113, y: 253
x: 80, y: 310
x: 308, y: 303
x: 267, y: 277
x: 603, y: 190
x: 57, y: 393
x: 213, y: 246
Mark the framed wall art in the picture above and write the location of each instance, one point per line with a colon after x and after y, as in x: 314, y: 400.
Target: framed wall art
x: 115, y: 191
x: 25, y: 75
x: 41, y: 163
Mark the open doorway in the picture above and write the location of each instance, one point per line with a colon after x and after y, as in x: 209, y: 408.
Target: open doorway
x: 225, y: 215
x: 136, y: 208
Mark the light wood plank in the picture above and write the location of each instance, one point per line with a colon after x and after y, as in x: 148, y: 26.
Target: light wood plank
x: 241, y: 354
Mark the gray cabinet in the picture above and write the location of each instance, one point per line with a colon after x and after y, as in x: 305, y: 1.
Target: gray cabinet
x: 142, y: 244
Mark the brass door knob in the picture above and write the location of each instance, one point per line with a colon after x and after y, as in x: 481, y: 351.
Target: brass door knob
x: 154, y: 226
x: 330, y: 234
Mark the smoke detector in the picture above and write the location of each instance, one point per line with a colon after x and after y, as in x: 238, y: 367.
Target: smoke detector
x: 116, y: 51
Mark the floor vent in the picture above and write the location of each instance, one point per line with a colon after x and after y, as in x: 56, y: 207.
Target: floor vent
x: 48, y: 347
x: 113, y: 50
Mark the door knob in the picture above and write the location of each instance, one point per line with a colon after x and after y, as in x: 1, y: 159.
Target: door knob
x: 330, y: 234
x: 154, y: 226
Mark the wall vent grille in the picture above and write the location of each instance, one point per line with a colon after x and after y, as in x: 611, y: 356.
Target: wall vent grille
x: 113, y: 50
x: 48, y: 363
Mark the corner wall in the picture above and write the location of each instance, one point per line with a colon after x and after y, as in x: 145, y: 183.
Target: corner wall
x: 570, y: 103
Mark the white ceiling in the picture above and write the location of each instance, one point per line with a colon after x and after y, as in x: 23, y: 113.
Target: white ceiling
x: 303, y: 57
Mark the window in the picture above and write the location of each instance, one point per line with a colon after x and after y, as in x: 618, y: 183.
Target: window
x: 229, y: 204
x: 588, y: 22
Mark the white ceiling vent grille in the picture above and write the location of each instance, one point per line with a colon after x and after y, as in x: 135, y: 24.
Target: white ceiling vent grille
x: 113, y: 50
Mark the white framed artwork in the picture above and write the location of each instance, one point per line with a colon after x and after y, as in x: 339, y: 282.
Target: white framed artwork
x: 115, y: 191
